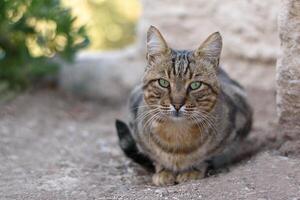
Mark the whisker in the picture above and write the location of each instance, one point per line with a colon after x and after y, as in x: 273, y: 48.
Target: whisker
x: 206, y: 119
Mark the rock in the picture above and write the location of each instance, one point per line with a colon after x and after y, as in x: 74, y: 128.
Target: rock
x: 106, y: 76
x: 288, y: 75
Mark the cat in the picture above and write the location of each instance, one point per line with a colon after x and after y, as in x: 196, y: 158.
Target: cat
x: 186, y: 114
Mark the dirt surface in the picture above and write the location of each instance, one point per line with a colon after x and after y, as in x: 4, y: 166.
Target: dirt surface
x: 54, y: 146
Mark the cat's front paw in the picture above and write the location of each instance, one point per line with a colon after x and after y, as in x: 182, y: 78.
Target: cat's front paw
x: 189, y: 175
x: 163, y: 178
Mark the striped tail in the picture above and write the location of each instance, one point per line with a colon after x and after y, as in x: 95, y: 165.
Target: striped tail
x: 129, y: 147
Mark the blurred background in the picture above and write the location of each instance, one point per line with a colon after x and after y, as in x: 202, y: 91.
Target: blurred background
x: 110, y: 24
x: 82, y: 45
x: 38, y: 36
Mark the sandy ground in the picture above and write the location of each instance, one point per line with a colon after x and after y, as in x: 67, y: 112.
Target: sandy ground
x: 54, y: 146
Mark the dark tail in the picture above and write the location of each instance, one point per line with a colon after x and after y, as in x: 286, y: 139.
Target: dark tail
x: 128, y: 145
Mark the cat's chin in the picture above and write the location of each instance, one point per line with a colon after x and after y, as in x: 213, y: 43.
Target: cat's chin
x: 177, y: 118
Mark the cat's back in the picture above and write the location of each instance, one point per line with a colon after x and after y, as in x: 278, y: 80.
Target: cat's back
x: 233, y: 96
x: 227, y: 83
x: 233, y: 91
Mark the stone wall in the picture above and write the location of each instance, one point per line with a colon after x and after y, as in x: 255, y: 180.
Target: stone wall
x: 288, y: 75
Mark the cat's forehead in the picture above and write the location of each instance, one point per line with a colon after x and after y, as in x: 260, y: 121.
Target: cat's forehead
x: 181, y: 60
x: 181, y: 54
x: 181, y: 65
x: 184, y: 64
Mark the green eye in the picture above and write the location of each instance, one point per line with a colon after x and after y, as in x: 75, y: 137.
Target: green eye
x: 195, y: 85
x: 163, y: 83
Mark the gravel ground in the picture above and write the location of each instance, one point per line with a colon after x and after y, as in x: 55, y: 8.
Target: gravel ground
x: 54, y: 146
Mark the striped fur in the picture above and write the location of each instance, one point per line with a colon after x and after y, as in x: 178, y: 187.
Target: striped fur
x: 179, y: 129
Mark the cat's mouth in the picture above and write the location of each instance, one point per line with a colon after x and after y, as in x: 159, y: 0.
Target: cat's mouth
x: 176, y: 115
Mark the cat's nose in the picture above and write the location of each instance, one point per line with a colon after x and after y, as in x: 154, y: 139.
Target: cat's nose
x: 177, y: 106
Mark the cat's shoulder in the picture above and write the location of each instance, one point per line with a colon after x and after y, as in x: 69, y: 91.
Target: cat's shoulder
x: 225, y: 79
x: 135, y: 99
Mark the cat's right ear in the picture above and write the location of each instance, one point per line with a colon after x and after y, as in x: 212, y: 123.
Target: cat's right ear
x: 156, y: 44
x: 211, y: 49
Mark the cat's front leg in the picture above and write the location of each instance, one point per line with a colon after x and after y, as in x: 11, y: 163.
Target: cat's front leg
x: 192, y: 174
x: 163, y: 177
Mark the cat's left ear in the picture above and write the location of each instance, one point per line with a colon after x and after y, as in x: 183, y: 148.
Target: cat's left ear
x: 210, y: 49
x: 156, y: 45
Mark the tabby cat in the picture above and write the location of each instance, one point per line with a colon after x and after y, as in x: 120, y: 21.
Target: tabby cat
x: 186, y: 114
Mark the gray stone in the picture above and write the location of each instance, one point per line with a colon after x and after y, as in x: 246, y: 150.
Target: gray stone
x: 108, y: 76
x: 288, y: 73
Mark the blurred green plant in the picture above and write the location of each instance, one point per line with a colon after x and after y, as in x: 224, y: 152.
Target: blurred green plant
x: 32, y: 32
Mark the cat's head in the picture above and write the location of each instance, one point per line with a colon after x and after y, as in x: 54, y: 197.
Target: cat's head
x: 181, y: 84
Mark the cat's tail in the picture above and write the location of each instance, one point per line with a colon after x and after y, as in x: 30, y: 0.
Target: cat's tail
x: 129, y: 147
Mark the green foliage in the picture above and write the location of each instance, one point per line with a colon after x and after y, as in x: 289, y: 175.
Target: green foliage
x: 32, y: 32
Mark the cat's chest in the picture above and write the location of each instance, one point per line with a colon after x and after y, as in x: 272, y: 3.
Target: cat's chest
x: 177, y: 146
x: 176, y: 136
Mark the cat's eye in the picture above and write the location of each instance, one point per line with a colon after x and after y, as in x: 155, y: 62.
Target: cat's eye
x: 163, y: 83
x: 195, y: 85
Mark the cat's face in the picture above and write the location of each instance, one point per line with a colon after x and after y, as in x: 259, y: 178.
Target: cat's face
x: 181, y: 85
